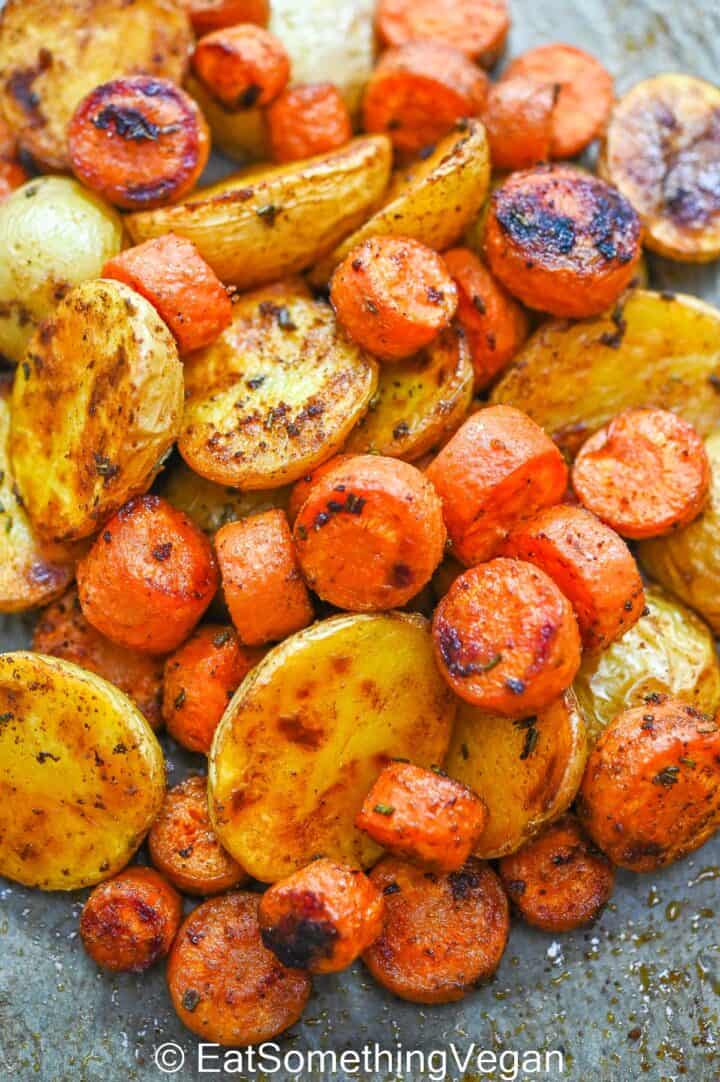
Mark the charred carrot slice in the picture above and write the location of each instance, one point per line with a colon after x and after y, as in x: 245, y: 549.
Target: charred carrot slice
x: 423, y: 816
x: 322, y: 917
x: 562, y: 241
x: 558, y: 881
x: 208, y: 15
x: 418, y: 91
x: 242, y: 66
x: 307, y: 120
x: 497, y: 470
x: 518, y: 118
x: 370, y: 534
x: 264, y: 590
x: 583, y: 97
x: 302, y: 488
x: 148, y: 577
x: 592, y: 566
x: 139, y: 141
x: 645, y: 474
x: 199, y: 681
x: 651, y: 791
x: 478, y: 28
x: 506, y: 639
x: 129, y: 922
x: 442, y: 934
x: 393, y: 295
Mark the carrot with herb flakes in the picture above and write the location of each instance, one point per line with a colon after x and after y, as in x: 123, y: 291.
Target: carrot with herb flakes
x: 306, y: 120
x: 322, y: 917
x: 559, y: 881
x: 479, y: 28
x: 261, y: 580
x: 139, y: 141
x: 498, y: 469
x: 303, y: 486
x: 423, y: 816
x: 644, y: 474
x: 242, y: 66
x: 393, y: 296
x: 208, y: 15
x: 370, y: 534
x: 518, y: 118
x: 148, y: 577
x: 506, y: 638
x: 651, y: 790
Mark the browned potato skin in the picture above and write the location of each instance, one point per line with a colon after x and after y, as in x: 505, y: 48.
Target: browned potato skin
x: 423, y: 816
x: 442, y: 934
x: 322, y: 917
x: 558, y: 881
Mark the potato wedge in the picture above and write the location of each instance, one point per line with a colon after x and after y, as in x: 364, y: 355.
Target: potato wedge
x: 310, y: 729
x: 434, y: 201
x: 82, y: 775
x: 96, y: 404
x: 655, y: 349
x: 419, y: 402
x: 264, y: 224
x: 275, y: 395
x: 54, y: 52
x: 527, y: 772
x: 211, y: 506
x: 668, y: 651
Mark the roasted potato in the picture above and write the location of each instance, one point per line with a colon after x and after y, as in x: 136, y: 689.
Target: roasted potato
x: 54, y: 52
x: 669, y: 651
x: 268, y: 222
x: 526, y: 771
x: 309, y: 731
x: 276, y: 394
x: 655, y: 349
x: 96, y: 405
x: 54, y: 234
x: 239, y: 133
x: 81, y: 774
x: 211, y: 506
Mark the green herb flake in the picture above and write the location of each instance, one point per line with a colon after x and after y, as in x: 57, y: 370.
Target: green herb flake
x: 384, y: 809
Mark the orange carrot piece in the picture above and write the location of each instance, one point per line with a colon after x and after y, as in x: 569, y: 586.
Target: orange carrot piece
x: 302, y: 487
x: 242, y: 66
x: 129, y: 922
x: 479, y: 28
x: 209, y: 15
x: 518, y: 120
x: 307, y: 120
x: 12, y: 175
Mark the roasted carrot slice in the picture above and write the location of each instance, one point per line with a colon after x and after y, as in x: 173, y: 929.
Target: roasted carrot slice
x: 12, y: 175
x: 306, y: 120
x: 393, y: 295
x: 558, y: 881
x: 322, y: 917
x: 242, y: 65
x: 370, y: 534
x: 518, y: 118
x: 208, y: 15
x: 651, y: 791
x: 583, y: 97
x: 129, y: 922
x: 302, y: 488
x: 592, y: 566
x: 423, y: 816
x: 562, y: 241
x: 479, y: 28
x: 139, y: 141
x: 506, y: 639
x: 644, y: 474
x: 498, y: 469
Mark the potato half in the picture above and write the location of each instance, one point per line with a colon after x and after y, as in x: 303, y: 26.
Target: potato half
x: 82, y: 775
x: 211, y: 506
x: 96, y: 405
x: 310, y: 729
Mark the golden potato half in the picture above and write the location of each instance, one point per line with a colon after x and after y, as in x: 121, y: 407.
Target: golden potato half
x: 310, y: 729
x: 211, y: 506
x: 82, y: 775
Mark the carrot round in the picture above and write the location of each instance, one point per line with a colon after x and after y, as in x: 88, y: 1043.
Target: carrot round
x: 261, y: 580
x: 479, y: 28
x: 644, y: 474
x: 590, y: 564
x: 170, y: 273
x: 370, y: 534
x: 302, y: 487
x: 307, y: 120
x: 322, y: 917
x: 242, y: 65
x: 12, y: 175
x: 208, y: 15
x: 418, y: 91
x: 200, y: 679
x: 651, y: 791
x: 442, y: 934
x: 184, y: 847
x: 392, y: 296
x: 495, y: 324
x: 498, y: 469
x: 506, y: 639
x: 224, y: 984
x: 423, y: 816
x: 562, y: 241
x: 518, y: 119
x: 148, y: 577
x: 558, y: 881
x: 583, y: 95
x: 129, y: 922
x: 139, y: 141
